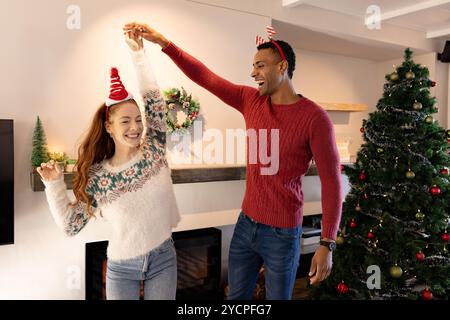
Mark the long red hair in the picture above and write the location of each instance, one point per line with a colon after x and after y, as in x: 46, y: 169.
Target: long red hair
x: 96, y: 146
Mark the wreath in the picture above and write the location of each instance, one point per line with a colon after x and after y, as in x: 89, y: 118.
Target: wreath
x: 177, y: 99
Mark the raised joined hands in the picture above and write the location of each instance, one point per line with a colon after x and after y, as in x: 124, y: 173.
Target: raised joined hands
x: 144, y: 31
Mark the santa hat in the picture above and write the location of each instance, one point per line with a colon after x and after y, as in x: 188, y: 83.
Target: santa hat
x: 118, y: 93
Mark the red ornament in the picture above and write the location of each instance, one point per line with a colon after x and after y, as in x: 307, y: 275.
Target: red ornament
x: 362, y: 129
x: 353, y: 224
x: 433, y: 83
x: 342, y: 288
x: 366, y: 197
x: 370, y: 235
x: 420, y: 256
x: 445, y: 237
x: 444, y: 171
x: 448, y: 141
x: 342, y: 167
x: 427, y: 294
x: 362, y: 176
x: 435, y: 190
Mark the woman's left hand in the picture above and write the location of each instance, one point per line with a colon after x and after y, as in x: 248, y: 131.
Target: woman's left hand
x: 134, y: 40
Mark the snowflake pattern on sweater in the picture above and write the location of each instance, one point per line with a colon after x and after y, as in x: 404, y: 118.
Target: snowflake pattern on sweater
x: 105, y: 186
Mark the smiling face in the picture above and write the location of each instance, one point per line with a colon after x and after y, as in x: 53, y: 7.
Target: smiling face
x: 268, y: 70
x: 125, y: 124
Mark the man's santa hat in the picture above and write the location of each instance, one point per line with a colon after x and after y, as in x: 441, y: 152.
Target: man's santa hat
x: 118, y: 93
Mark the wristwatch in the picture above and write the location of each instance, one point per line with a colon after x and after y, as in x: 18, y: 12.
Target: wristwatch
x: 331, y: 245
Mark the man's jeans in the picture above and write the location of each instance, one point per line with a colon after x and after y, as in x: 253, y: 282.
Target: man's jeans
x: 254, y: 244
x: 157, y: 268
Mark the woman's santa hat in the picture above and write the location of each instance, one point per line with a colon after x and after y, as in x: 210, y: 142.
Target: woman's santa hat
x: 118, y: 93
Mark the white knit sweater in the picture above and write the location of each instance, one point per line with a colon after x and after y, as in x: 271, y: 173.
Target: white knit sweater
x: 137, y: 198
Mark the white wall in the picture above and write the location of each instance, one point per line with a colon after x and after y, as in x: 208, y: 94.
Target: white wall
x: 332, y: 78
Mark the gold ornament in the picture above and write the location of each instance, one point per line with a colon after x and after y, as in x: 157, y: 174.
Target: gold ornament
x: 419, y: 215
x: 380, y: 150
x: 340, y: 240
x: 417, y: 105
x: 393, y: 76
x: 358, y: 208
x: 429, y: 119
x: 395, y: 271
x: 410, y: 75
x: 410, y: 174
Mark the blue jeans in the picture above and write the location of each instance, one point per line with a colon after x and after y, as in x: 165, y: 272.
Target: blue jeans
x: 157, y: 268
x: 254, y: 244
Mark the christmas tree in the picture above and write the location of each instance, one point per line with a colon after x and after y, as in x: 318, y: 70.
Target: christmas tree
x: 40, y: 152
x: 392, y: 242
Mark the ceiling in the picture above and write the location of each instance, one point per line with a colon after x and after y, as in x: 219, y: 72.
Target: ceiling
x: 430, y: 16
x: 345, y: 45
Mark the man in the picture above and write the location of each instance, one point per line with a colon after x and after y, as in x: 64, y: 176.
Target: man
x: 269, y: 227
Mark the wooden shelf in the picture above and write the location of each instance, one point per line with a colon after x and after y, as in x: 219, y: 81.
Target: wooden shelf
x: 179, y: 175
x: 207, y: 219
x: 329, y: 106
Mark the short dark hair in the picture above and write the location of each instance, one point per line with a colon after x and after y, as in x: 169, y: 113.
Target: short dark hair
x: 287, y: 50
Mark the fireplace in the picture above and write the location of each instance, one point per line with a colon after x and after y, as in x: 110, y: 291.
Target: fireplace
x: 198, y: 259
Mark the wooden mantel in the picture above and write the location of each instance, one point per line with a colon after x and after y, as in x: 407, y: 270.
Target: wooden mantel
x: 330, y: 106
x: 179, y: 175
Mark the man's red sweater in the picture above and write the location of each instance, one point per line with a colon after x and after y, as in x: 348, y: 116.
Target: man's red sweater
x: 305, y: 131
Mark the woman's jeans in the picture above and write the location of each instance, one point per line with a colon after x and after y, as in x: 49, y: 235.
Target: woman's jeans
x: 254, y: 244
x: 157, y: 268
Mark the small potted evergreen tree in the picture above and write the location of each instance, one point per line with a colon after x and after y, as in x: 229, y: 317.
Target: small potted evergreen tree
x: 40, y: 152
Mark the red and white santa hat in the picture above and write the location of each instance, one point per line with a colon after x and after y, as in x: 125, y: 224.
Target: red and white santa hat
x: 118, y: 93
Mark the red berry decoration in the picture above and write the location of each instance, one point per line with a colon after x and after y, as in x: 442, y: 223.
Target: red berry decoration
x: 435, y: 190
x: 433, y: 83
x: 342, y: 288
x: 444, y: 171
x: 420, y: 256
x: 370, y: 235
x: 353, y: 224
x: 362, y: 176
x: 445, y: 237
x: 427, y: 294
x: 362, y: 129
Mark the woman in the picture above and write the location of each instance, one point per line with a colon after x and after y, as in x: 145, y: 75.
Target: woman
x: 123, y: 175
